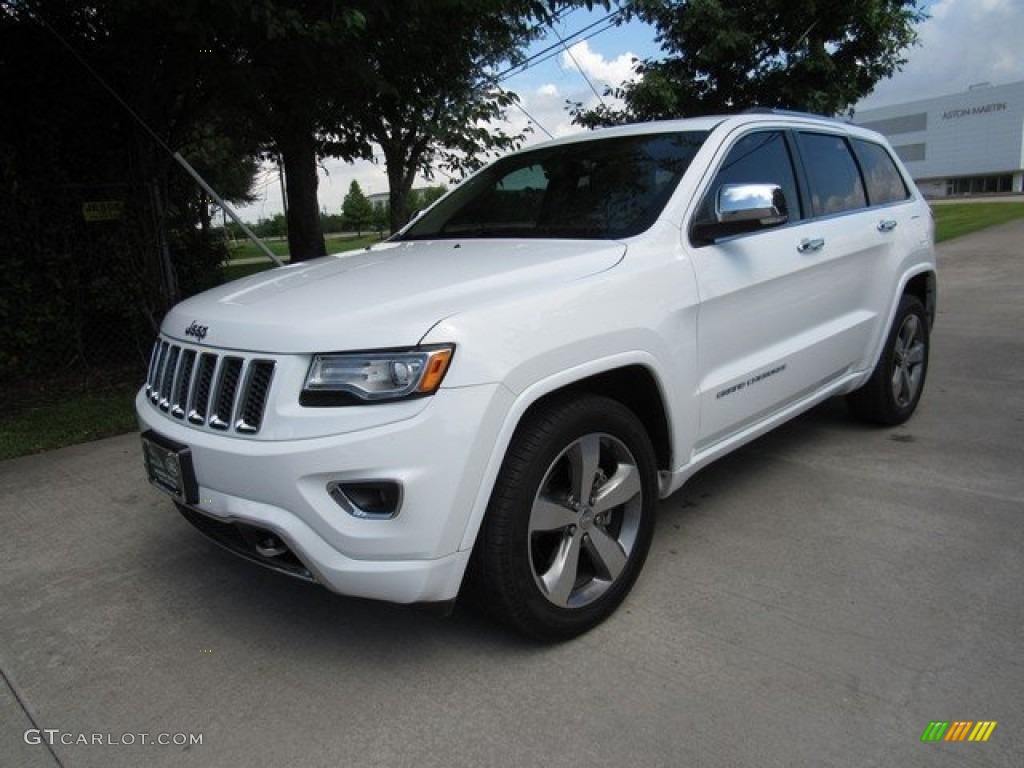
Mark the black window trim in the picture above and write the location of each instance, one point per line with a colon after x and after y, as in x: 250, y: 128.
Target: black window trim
x: 846, y: 138
x: 802, y: 202
x: 807, y: 215
x: 907, y: 185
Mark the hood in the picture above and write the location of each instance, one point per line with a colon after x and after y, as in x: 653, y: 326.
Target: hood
x: 389, y: 295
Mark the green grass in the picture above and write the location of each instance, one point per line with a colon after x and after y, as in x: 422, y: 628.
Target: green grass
x: 74, y: 418
x: 959, y: 219
x: 245, y: 249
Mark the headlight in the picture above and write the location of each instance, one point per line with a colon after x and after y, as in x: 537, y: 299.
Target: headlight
x: 351, y: 378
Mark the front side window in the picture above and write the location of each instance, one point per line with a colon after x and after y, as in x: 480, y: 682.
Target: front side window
x: 832, y: 174
x: 884, y: 181
x: 600, y: 189
x: 757, y: 158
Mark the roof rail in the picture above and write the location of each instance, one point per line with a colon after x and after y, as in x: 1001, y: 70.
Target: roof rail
x: 791, y: 113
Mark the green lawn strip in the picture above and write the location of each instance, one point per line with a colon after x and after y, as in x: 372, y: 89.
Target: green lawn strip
x: 247, y: 250
x: 76, y: 418
x: 958, y: 219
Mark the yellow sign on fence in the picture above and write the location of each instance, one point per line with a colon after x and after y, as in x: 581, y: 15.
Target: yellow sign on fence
x: 103, y: 210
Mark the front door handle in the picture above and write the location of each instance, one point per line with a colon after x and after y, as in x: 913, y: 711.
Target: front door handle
x: 808, y: 246
x: 886, y: 225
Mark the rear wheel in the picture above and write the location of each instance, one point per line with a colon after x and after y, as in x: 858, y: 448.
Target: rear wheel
x: 892, y: 393
x: 570, y: 520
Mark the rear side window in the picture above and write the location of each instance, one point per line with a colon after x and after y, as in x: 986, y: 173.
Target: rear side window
x: 832, y: 174
x: 884, y: 181
x: 757, y: 158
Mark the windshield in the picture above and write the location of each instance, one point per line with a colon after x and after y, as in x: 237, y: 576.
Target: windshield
x: 601, y: 189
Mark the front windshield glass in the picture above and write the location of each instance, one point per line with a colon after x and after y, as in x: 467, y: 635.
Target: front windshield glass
x: 601, y: 189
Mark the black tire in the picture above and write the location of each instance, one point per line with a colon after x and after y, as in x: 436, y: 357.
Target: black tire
x: 551, y: 565
x: 892, y: 393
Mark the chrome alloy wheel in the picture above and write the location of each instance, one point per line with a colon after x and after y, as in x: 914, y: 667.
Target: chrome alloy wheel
x: 585, y: 520
x: 908, y: 361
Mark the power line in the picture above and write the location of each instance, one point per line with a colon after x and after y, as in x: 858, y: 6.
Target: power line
x: 554, y: 49
x: 574, y: 61
x: 533, y: 119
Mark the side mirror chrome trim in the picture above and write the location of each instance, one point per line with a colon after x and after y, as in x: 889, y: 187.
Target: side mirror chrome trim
x: 764, y: 204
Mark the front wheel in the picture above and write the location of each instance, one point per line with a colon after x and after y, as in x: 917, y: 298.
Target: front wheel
x: 570, y: 519
x: 891, y: 395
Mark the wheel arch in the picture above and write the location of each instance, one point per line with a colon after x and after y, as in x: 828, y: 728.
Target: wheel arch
x: 636, y: 388
x: 921, y: 283
x: 632, y: 382
x: 923, y: 286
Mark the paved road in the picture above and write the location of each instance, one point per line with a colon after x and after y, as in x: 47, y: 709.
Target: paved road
x: 813, y: 600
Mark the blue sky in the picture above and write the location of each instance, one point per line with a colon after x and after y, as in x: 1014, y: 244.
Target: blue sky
x: 963, y: 43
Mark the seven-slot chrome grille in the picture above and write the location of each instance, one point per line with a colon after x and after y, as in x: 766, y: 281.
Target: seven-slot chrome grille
x: 222, y: 392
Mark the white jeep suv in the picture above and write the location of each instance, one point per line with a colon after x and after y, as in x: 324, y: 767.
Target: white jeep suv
x: 501, y: 392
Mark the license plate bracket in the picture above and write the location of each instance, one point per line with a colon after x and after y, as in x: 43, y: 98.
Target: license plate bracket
x: 169, y: 467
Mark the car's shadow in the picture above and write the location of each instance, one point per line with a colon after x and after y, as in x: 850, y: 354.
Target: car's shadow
x: 240, y: 599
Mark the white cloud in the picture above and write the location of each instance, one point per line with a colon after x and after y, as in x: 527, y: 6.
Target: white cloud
x: 602, y: 71
x: 547, y: 112
x: 546, y: 104
x: 334, y: 184
x: 963, y: 43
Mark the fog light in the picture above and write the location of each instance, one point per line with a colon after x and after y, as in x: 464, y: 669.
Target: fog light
x: 368, y: 500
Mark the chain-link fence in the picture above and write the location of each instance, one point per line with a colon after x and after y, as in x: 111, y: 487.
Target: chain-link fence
x: 86, y: 282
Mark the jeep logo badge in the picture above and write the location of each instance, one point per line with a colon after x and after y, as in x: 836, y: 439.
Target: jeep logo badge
x: 196, y: 330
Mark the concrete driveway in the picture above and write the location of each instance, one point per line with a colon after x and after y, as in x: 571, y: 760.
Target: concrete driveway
x: 816, y: 599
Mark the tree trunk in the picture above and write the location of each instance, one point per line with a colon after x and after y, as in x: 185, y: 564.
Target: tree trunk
x: 398, y: 198
x: 401, y: 176
x: 305, y: 236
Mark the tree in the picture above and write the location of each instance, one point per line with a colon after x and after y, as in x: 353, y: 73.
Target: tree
x: 414, y: 78
x: 421, y: 199
x: 289, y: 66
x: 432, y: 96
x: 812, y: 55
x: 66, y: 144
x: 228, y: 165
x: 381, y: 218
x: 275, y: 226
x: 356, y: 208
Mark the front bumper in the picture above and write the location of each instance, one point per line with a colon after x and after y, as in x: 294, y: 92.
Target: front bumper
x: 438, y: 455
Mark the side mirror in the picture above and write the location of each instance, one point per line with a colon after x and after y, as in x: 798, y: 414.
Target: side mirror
x: 741, y: 208
x: 764, y: 204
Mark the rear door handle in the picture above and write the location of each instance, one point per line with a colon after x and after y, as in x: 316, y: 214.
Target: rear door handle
x: 808, y: 246
x: 886, y: 225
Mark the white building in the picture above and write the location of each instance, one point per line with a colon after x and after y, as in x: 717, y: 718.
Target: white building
x: 962, y: 144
